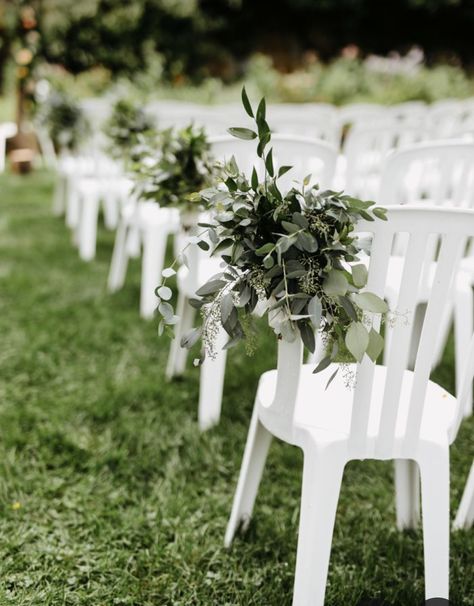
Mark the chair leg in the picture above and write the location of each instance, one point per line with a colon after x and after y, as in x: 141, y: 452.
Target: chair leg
x: 154, y: 247
x: 434, y: 471
x: 211, y: 385
x: 178, y: 355
x: 60, y: 192
x: 465, y: 515
x: 118, y: 265
x: 133, y: 241
x: 72, y: 204
x: 253, y: 463
x: 322, y: 478
x: 110, y: 206
x: 463, y: 330
x: 407, y: 493
x: 87, y: 228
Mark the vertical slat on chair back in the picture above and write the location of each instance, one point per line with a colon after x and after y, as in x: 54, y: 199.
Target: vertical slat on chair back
x: 379, y: 259
x: 373, y: 427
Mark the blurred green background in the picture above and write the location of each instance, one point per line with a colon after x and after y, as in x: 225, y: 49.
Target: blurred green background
x: 336, y: 51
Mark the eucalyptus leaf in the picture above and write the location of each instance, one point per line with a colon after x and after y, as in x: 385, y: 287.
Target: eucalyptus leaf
x: 357, y: 340
x: 335, y: 283
x: 375, y: 346
x: 307, y: 335
x: 269, y: 162
x: 315, y: 309
x: 331, y: 378
x: 359, y: 275
x: 323, y: 364
x: 168, y: 272
x: 242, y: 133
x: 246, y: 102
x: 164, y: 293
x: 368, y: 301
x: 191, y: 338
x: 210, y: 287
x: 166, y: 310
x: 226, y: 307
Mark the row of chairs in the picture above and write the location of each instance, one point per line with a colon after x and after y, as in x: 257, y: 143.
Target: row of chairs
x: 395, y: 412
x: 374, y: 131
x: 445, y: 118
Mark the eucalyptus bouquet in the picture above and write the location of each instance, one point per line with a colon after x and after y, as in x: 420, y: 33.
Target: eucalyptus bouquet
x: 64, y: 120
x: 296, y: 253
x: 172, y: 166
x: 124, y: 129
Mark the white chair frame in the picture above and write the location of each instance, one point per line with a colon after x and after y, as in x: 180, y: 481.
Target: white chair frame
x: 393, y: 413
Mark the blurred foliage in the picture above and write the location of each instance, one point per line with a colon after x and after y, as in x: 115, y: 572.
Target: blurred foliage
x: 183, y: 40
x: 201, y: 50
x: 170, y: 166
x: 126, y: 124
x: 64, y: 121
x: 348, y: 80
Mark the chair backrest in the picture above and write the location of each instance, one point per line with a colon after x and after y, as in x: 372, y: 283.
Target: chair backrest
x: 354, y: 114
x: 409, y: 110
x: 444, y: 118
x: 307, y: 156
x: 305, y: 119
x: 441, y: 173
x: 389, y: 427
x: 366, y: 148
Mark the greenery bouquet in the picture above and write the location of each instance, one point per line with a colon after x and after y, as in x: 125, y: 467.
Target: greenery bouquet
x: 295, y: 253
x: 169, y: 167
x: 64, y: 120
x: 125, y: 128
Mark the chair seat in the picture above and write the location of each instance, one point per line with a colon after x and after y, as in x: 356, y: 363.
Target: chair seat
x: 330, y: 409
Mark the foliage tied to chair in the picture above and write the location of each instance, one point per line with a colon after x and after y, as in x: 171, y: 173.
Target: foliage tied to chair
x: 64, y: 120
x: 296, y: 253
x: 171, y: 166
x: 127, y: 123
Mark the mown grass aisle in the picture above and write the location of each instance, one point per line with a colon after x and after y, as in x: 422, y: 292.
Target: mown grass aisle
x: 108, y: 493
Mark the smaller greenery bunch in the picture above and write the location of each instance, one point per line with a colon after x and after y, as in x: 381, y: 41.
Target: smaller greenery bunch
x: 64, y: 120
x: 296, y: 254
x: 125, y: 128
x: 173, y: 166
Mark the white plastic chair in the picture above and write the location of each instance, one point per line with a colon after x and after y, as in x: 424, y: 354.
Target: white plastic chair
x: 441, y: 174
x: 306, y: 119
x: 392, y: 413
x: 366, y: 148
x: 112, y: 193
x: 354, y: 114
x: 7, y: 131
x: 307, y: 156
x: 443, y: 118
x: 409, y: 110
x: 142, y: 226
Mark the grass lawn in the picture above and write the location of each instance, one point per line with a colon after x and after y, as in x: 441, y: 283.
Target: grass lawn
x: 108, y: 493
